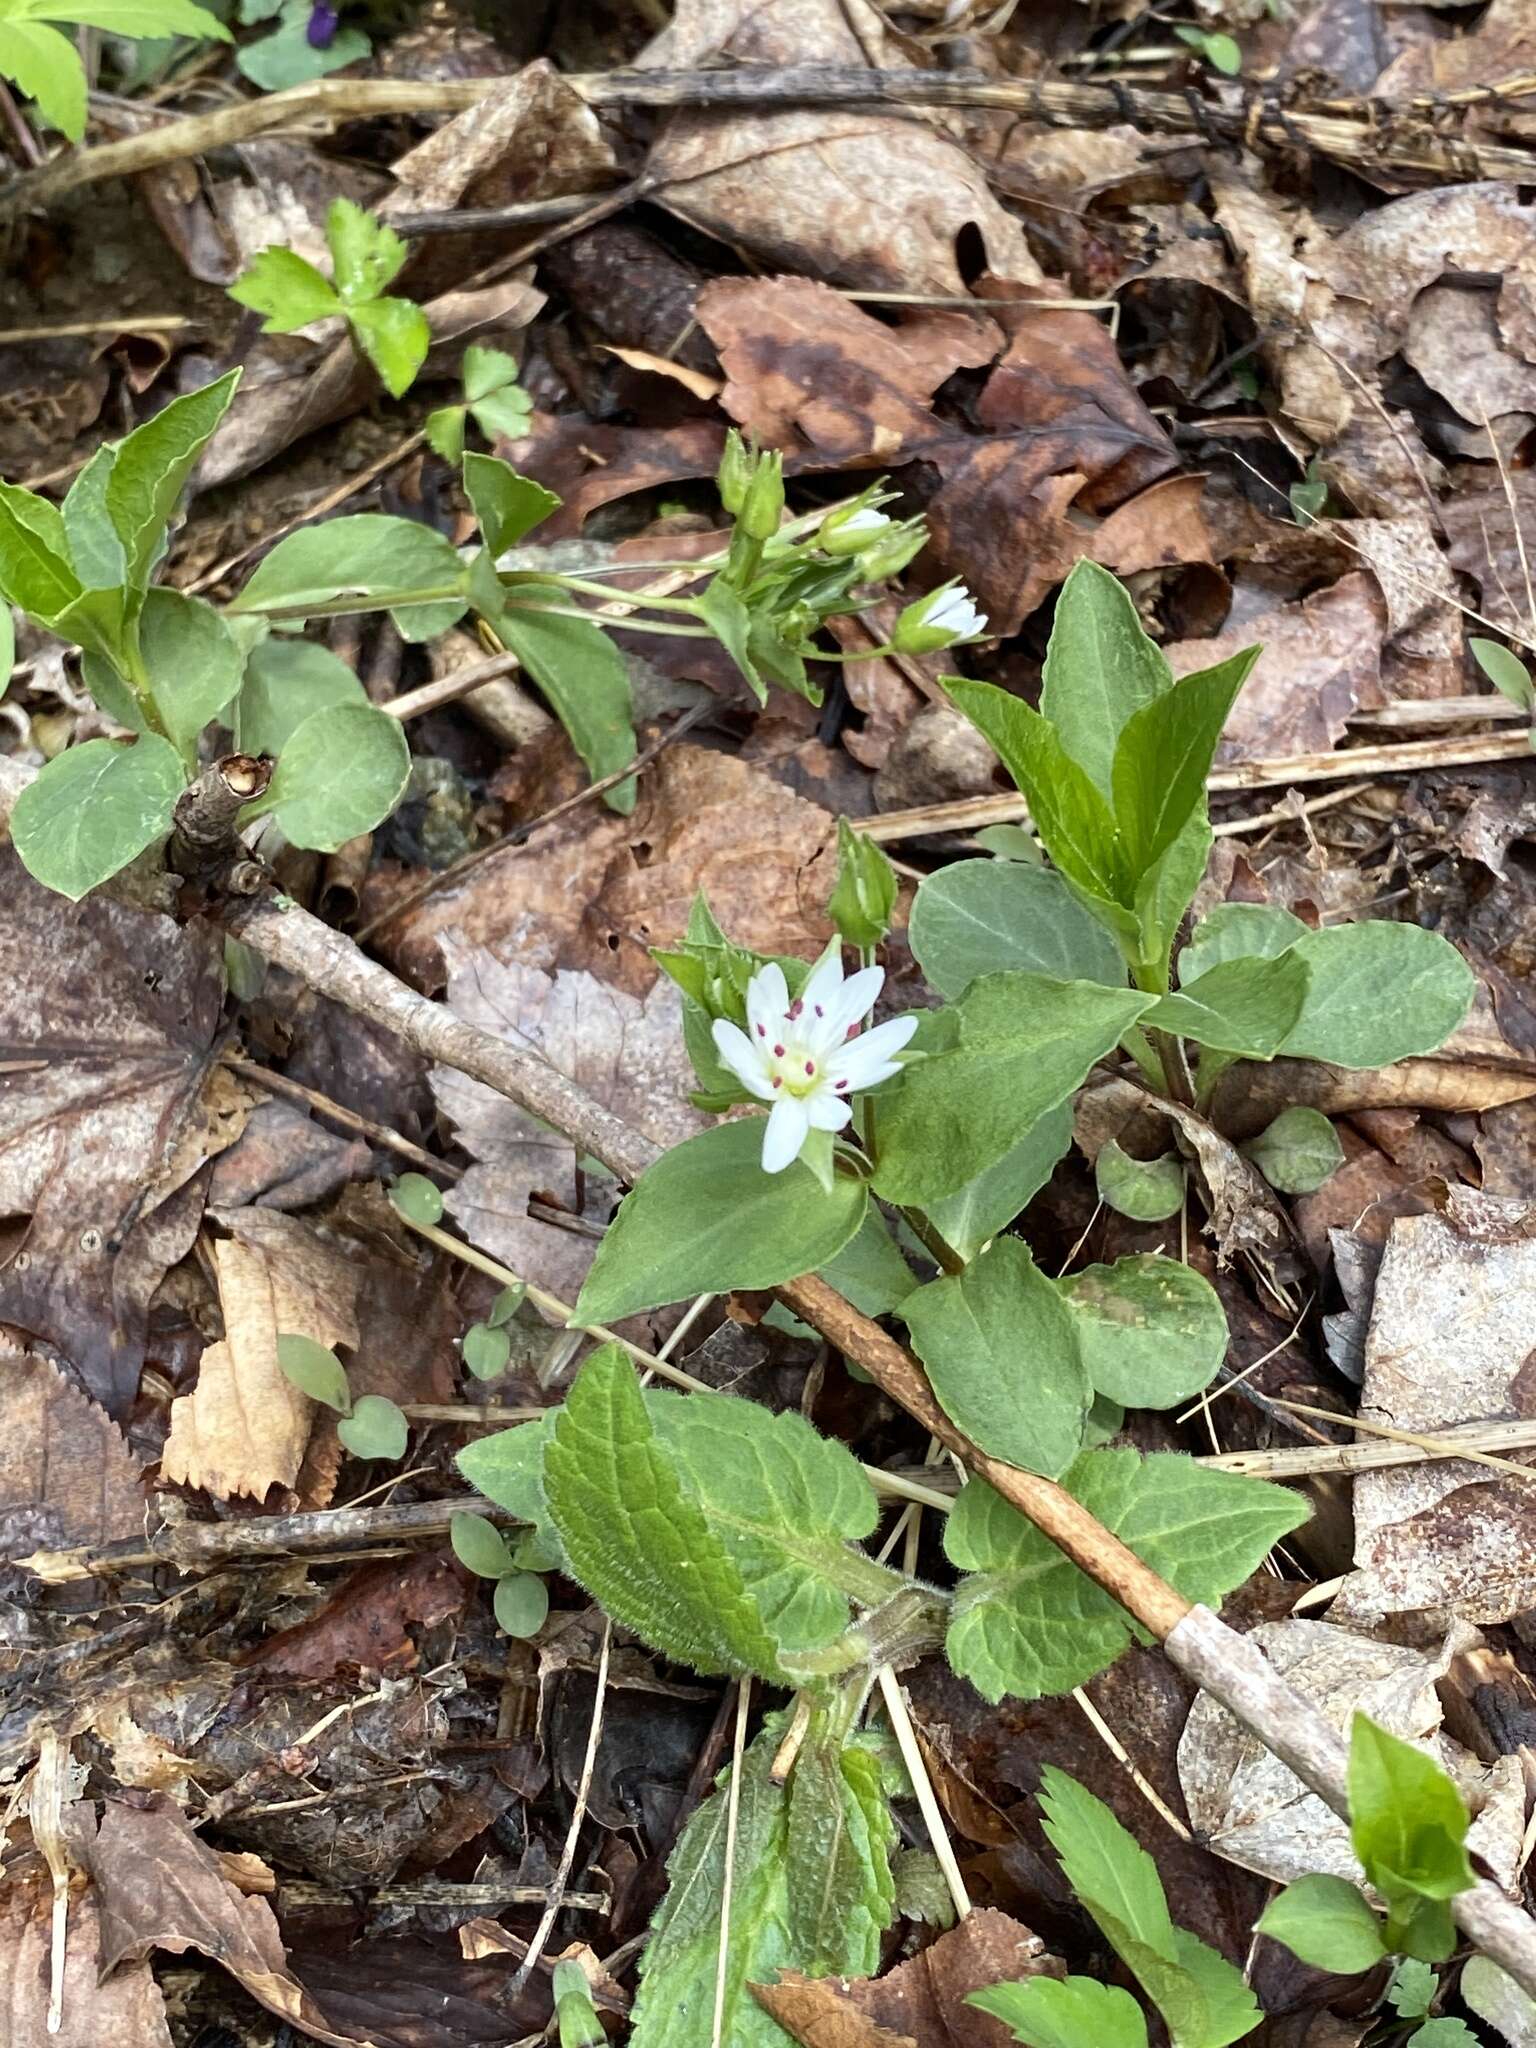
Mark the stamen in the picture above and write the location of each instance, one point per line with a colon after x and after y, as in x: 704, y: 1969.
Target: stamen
x: 778, y: 1080
x: 810, y: 1066
x: 835, y: 1084
x: 820, y: 1011
x: 778, y: 1052
x: 762, y: 1030
x: 794, y: 1010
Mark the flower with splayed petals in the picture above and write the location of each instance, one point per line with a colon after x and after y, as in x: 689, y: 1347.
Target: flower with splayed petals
x: 943, y: 618
x: 807, y: 1057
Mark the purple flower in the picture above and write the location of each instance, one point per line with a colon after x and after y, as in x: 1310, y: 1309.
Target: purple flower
x: 323, y: 23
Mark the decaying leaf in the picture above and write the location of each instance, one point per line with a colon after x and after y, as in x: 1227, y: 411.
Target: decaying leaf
x: 122, y: 2010
x: 921, y: 2003
x: 1251, y: 1808
x: 67, y: 1478
x: 159, y: 1887
x: 1449, y: 1341
x: 245, y: 1426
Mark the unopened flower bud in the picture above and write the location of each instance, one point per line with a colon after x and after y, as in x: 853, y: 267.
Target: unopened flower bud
x: 763, y: 502
x: 734, y: 474
x: 852, y: 530
x: 941, y: 619
x: 892, y: 551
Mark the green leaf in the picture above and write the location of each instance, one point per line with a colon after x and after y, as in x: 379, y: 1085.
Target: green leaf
x: 680, y: 1962
x: 445, y: 432
x: 1026, y: 1043
x: 1380, y: 992
x: 486, y: 370
x: 521, y: 1604
x: 94, y: 548
x: 376, y: 1428
x: 983, y: 916
x: 157, y: 18
x: 1444, y: 2033
x: 285, y: 681
x: 92, y: 809
x: 486, y: 1350
x: 1074, y: 821
x: 583, y: 675
x: 34, y: 555
x: 706, y: 1218
x: 1408, y: 1824
x: 1011, y: 842
x: 193, y: 662
x: 342, y: 772
x: 508, y: 1467
x: 636, y: 1538
x: 314, y: 1371
x: 1146, y: 1190
x: 507, y: 505
x: 1030, y: 1623
x: 288, y: 291
x: 1001, y: 1349
x: 287, y: 56
x: 989, y: 1202
x: 1325, y: 1922
x: 1152, y: 1331
x: 1247, y: 1007
x: 721, y: 606
x: 368, y: 554
x: 504, y: 415
x: 1078, y: 2013
x: 367, y: 253
x: 864, y: 897
x: 1505, y: 671
x: 506, y: 1306
x: 479, y: 1545
x: 870, y: 1271
x: 395, y: 337
x: 1239, y: 931
x: 1414, y: 1984
x: 838, y: 1869
x: 1164, y: 755
x: 47, y: 67
x: 418, y: 1199
x: 152, y: 466
x: 1167, y: 889
x: 1100, y: 669
x: 1298, y: 1151
x: 1200, y: 1995
x: 7, y: 645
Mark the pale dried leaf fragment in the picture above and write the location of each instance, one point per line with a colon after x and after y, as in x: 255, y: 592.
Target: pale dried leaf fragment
x: 67, y: 1477
x: 123, y: 2010
x: 245, y: 1425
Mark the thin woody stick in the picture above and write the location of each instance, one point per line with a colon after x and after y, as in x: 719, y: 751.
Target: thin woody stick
x: 1227, y: 1664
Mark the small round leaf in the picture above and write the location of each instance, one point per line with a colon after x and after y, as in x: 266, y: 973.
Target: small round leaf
x: 418, y: 1199
x: 1147, y: 1190
x: 506, y: 1306
x: 376, y: 1428
x: 486, y: 1350
x: 479, y: 1545
x: 521, y: 1602
x: 314, y: 1371
x: 340, y: 774
x: 92, y: 809
x: 1298, y: 1151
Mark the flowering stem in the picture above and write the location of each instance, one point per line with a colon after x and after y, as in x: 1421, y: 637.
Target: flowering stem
x: 555, y: 611
x: 607, y: 591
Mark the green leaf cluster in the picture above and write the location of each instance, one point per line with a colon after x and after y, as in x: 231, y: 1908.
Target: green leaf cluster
x: 366, y: 256
x: 521, y: 1598
x: 39, y: 58
x: 493, y: 399
x: 371, y: 1426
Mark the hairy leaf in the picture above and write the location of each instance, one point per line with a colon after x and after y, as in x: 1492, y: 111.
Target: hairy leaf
x: 839, y: 1841
x: 1030, y: 1623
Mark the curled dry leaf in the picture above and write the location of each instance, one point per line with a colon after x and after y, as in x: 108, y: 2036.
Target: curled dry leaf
x: 1249, y: 1807
x: 245, y: 1426
x: 861, y: 198
x: 109, y: 1109
x: 1449, y: 1341
x: 159, y: 1887
x: 921, y: 2003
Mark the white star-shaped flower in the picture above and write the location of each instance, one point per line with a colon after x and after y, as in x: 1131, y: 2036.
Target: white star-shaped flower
x: 809, y: 1056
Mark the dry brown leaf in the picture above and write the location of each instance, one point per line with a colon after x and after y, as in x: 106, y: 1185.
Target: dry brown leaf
x: 245, y: 1426
x: 67, y: 1477
x: 922, y: 2001
x: 1321, y: 661
x: 123, y: 2010
x: 1449, y: 1341
x: 1249, y: 1807
x: 1484, y: 531
x: 532, y: 136
x: 872, y: 199
x: 696, y: 381
x: 159, y: 1887
x: 107, y: 1017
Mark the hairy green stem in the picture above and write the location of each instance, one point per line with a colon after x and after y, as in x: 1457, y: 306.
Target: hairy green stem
x: 934, y: 1241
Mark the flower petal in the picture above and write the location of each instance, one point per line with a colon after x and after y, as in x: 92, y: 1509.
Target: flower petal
x: 854, y: 1001
x: 866, y: 1060
x: 828, y: 1112
x: 767, y: 1000
x: 822, y: 984
x: 742, y: 1057
x: 788, y: 1127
